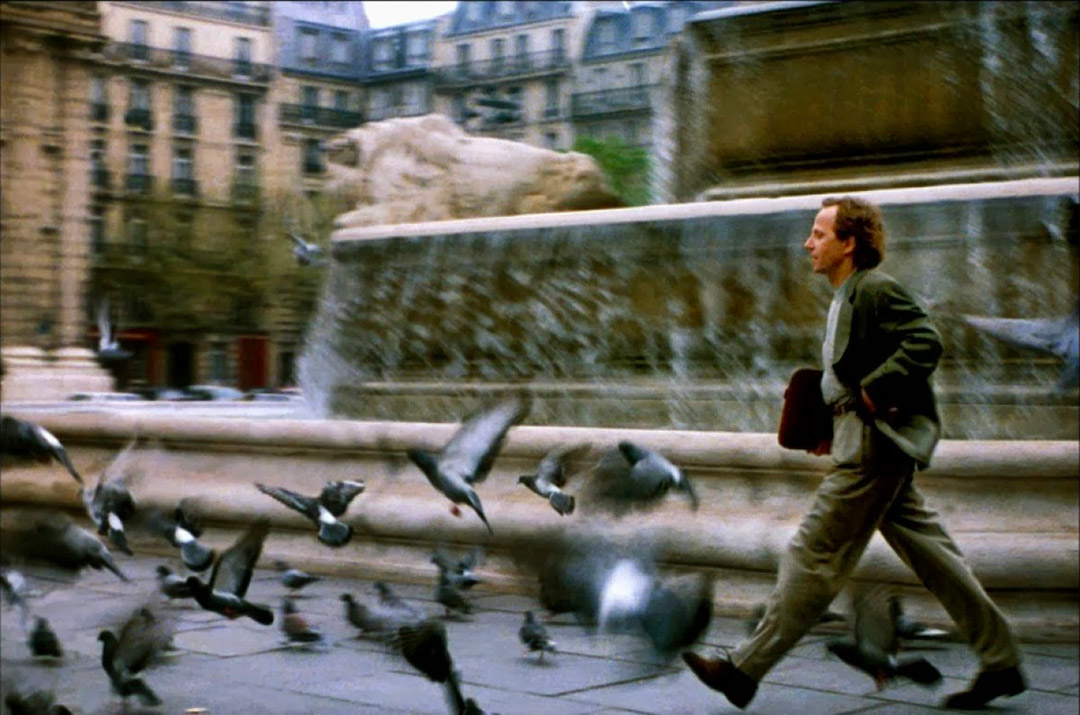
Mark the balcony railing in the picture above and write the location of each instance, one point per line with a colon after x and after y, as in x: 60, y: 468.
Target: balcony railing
x: 138, y: 117
x: 187, y: 63
x: 610, y: 101
x: 532, y: 63
x: 219, y: 11
x: 184, y: 186
x: 99, y: 112
x: 319, y: 116
x: 139, y: 183
x: 184, y: 123
x: 244, y: 130
x: 381, y: 113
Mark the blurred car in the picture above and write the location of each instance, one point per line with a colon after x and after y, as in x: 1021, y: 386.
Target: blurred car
x: 213, y: 392
x: 150, y: 392
x: 105, y: 397
x: 266, y: 394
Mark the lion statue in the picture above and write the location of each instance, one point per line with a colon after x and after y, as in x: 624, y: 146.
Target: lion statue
x: 414, y: 169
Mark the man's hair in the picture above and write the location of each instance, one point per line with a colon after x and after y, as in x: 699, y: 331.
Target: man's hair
x: 861, y: 220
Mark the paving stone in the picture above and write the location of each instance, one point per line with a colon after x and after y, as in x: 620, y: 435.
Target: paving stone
x: 227, y: 640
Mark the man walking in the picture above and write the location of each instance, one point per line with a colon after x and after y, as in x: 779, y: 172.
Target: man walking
x: 878, y: 354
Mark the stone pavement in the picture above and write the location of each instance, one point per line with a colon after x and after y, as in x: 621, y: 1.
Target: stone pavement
x: 226, y: 667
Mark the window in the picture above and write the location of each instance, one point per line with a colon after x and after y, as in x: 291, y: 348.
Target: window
x: 182, y: 47
x: 521, y: 45
x: 414, y: 99
x: 384, y: 53
x: 641, y: 22
x: 183, y: 229
x: 309, y: 96
x: 219, y: 359
x: 99, y: 99
x: 140, y: 95
x: 242, y: 54
x: 99, y: 176
x: 463, y: 52
x: 558, y: 42
x: 599, y: 77
x: 139, y: 50
x: 416, y: 48
x: 245, y: 116
x: 340, y: 50
x: 307, y: 45
x: 341, y: 100
x: 637, y: 74
x: 551, y: 98
x: 460, y: 108
x: 244, y: 178
x: 312, y: 157
x: 607, y: 37
x: 497, y: 47
x: 97, y: 229
x: 183, y: 109
x: 139, y: 160
x: 182, y: 164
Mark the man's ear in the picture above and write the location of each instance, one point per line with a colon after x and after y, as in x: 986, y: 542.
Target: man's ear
x: 849, y: 246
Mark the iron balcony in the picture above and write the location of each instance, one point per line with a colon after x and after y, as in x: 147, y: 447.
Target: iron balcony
x: 502, y: 68
x: 231, y: 11
x: 610, y: 101
x: 319, y: 116
x: 186, y: 63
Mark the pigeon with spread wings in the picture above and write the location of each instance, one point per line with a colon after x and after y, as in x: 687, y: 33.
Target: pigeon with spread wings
x: 323, y: 510
x: 231, y: 576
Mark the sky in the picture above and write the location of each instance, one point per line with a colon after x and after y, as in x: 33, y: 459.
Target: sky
x: 384, y: 13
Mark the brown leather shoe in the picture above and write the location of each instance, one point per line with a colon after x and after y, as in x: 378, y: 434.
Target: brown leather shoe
x: 721, y: 674
x: 988, y: 685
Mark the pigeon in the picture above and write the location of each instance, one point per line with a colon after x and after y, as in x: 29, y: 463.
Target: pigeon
x: 20, y: 438
x: 424, y: 647
x: 43, y: 641
x: 294, y: 579
x: 533, y: 634
x: 22, y: 700
x: 231, y: 576
x: 1059, y: 337
x: 390, y: 601
x: 306, y: 253
x: 376, y: 620
x: 458, y: 573
x: 332, y: 502
x: 908, y: 628
x: 171, y: 585
x: 552, y: 473
x: 110, y: 503
x: 468, y: 456
x: 178, y: 531
x: 451, y: 597
x: 15, y: 591
x: 109, y: 349
x: 144, y: 638
x: 677, y: 612
x: 874, y: 643
x: 631, y: 475
x: 54, y: 539
x: 295, y: 628
x: 114, y: 660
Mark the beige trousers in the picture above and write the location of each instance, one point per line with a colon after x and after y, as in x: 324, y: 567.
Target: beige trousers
x: 871, y: 490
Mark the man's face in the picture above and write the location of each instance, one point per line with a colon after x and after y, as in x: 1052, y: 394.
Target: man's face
x: 827, y: 253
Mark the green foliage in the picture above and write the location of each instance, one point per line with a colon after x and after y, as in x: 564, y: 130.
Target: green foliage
x: 627, y: 167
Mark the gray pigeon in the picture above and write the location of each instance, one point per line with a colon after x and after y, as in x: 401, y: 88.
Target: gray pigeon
x: 231, y: 576
x: 424, y: 647
x: 552, y: 473
x: 43, y: 641
x: 294, y: 579
x: 195, y: 555
x: 1059, y: 337
x: 54, y: 539
x: 295, y: 627
x: 633, y: 476
x: 393, y: 603
x: 469, y: 455
x: 24, y: 439
x: 376, y: 620
x: 171, y: 585
x: 459, y: 573
x: 110, y: 503
x: 534, y: 636
x: 908, y: 628
x: 26, y: 700
x: 15, y: 591
x: 874, y: 643
x: 306, y: 253
x: 323, y: 510
x: 121, y: 662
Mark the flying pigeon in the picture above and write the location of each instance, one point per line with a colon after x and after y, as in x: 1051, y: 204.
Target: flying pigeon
x: 468, y: 456
x: 1059, y: 337
x: 178, y: 531
x: 535, y: 637
x: 635, y: 476
x: 424, y: 647
x: 458, y: 573
x: 306, y: 253
x: 677, y: 612
x: 43, y: 641
x: 54, y: 539
x: 110, y: 503
x: 171, y: 585
x: 552, y: 473
x: 119, y: 663
x: 15, y: 591
x: 295, y: 628
x: 20, y: 438
x: 376, y: 620
x: 231, y: 576
x: 874, y: 643
x: 109, y: 349
x: 332, y: 502
x: 294, y: 579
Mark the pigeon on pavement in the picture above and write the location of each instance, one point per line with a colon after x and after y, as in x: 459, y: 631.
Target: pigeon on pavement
x: 295, y: 627
x: 874, y: 643
x: 195, y: 555
x: 552, y: 473
x: 458, y: 573
x: 121, y: 667
x: 451, y: 597
x: 26, y: 700
x: 24, y: 439
x: 324, y: 509
x: 392, y: 602
x: 110, y: 503
x: 294, y: 579
x: 43, y: 641
x: 231, y: 576
x: 376, y: 620
x: 469, y: 455
x: 54, y: 539
x: 633, y: 476
x: 535, y: 637
x: 171, y: 585
x: 908, y: 628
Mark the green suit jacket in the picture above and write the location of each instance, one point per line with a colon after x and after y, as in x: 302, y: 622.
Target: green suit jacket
x: 886, y: 345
